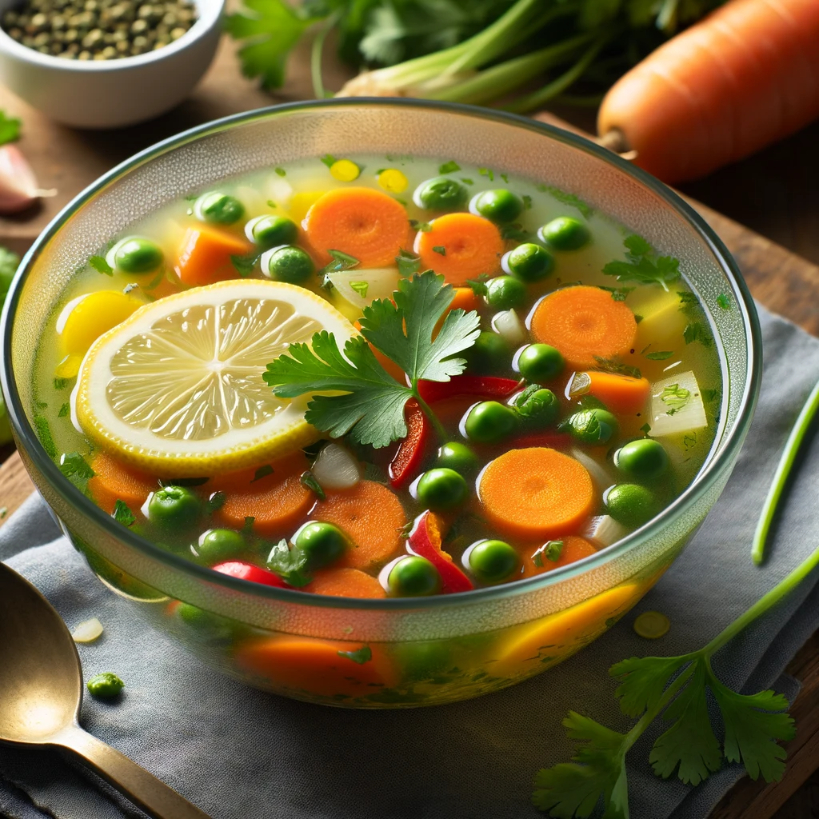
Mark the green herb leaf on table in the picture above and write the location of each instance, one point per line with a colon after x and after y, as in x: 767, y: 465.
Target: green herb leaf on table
x: 289, y: 564
x: 403, y: 332
x: 643, y: 266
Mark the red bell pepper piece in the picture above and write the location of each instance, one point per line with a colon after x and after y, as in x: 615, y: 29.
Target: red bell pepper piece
x: 410, y: 453
x: 552, y: 440
x: 247, y: 571
x: 425, y: 541
x: 486, y: 386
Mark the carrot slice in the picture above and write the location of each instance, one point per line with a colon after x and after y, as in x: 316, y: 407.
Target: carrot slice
x: 574, y: 549
x: 460, y: 246
x: 276, y: 501
x: 346, y: 583
x: 584, y: 323
x: 371, y: 516
x: 620, y: 393
x: 114, y: 481
x: 536, y: 493
x: 314, y: 666
x: 366, y: 224
x: 204, y: 256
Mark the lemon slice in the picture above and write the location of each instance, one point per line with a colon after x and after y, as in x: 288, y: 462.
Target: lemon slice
x: 177, y: 388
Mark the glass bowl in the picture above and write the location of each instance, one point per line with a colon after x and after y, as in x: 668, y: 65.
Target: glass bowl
x: 396, y: 652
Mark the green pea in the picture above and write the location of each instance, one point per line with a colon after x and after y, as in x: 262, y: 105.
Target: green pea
x: 493, y: 561
x: 529, y: 262
x: 457, y: 456
x: 489, y: 353
x: 505, y: 292
x: 538, y: 405
x: 422, y: 660
x: 631, y: 504
x: 592, y: 426
x: 272, y: 231
x: 217, y: 545
x: 207, y: 625
x: 565, y: 233
x: 219, y: 208
x: 137, y: 255
x: 323, y: 543
x: 498, y: 206
x: 644, y: 459
x: 540, y: 362
x: 441, y: 193
x: 414, y: 576
x: 174, y: 507
x: 490, y: 422
x: 289, y: 264
x: 105, y: 686
x: 442, y: 488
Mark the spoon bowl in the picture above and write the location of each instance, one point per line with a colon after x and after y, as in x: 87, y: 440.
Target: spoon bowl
x: 41, y: 696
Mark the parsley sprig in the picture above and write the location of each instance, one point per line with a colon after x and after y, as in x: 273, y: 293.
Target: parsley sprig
x: 643, y: 266
x: 370, y: 409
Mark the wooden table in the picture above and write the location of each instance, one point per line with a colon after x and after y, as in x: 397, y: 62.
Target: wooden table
x: 775, y: 193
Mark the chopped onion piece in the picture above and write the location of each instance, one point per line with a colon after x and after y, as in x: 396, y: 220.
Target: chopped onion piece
x: 604, y: 530
x: 599, y: 474
x: 336, y: 468
x: 508, y: 325
x: 361, y: 287
x: 579, y: 384
x: 87, y: 631
x: 676, y: 406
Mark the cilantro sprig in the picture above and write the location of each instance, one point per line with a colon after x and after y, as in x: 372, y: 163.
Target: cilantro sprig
x: 370, y: 409
x: 643, y: 266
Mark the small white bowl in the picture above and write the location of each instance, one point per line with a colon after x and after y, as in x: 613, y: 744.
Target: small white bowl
x: 112, y: 93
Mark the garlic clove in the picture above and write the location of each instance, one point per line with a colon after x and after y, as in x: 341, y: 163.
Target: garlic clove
x: 18, y: 185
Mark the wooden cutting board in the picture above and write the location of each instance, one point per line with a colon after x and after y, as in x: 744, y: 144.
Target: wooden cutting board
x: 67, y: 161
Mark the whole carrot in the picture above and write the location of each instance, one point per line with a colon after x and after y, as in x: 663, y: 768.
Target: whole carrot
x: 744, y: 77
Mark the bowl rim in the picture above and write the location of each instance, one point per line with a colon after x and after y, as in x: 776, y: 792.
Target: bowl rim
x: 210, y: 13
x: 701, y: 484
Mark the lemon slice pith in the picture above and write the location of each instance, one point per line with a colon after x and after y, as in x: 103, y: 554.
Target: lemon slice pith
x: 177, y: 388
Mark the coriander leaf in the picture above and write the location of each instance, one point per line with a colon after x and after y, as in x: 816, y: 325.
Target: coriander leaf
x: 404, y: 331
x: 308, y: 481
x: 724, y: 301
x: 515, y: 232
x: 553, y: 550
x: 440, y: 250
x: 65, y: 410
x: 244, y: 264
x: 571, y: 790
x: 358, y: 373
x: 619, y: 293
x: 279, y: 172
x: 567, y: 199
x: 645, y: 428
x: 697, y: 331
x: 289, y: 564
x: 637, y: 245
x: 643, y: 681
x: 687, y: 299
x: 527, y: 201
x: 753, y: 726
x: 122, y: 514
x: 262, y: 472
x: 329, y: 160
x: 271, y: 29
x: 449, y: 167
x: 478, y: 286
x: 487, y: 173
x: 709, y: 395
x: 408, y: 263
x: 341, y: 261
x: 9, y: 128
x: 100, y: 264
x: 641, y: 266
x: 689, y: 743
x: 660, y: 355
x: 360, y: 656
x: 421, y: 227
x: 73, y: 465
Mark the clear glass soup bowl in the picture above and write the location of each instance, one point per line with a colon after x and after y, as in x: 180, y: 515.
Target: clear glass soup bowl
x: 389, y: 653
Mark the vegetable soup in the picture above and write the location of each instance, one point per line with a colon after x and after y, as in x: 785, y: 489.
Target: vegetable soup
x: 380, y: 376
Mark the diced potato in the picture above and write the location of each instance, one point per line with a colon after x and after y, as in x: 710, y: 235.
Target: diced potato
x: 662, y: 324
x: 676, y: 406
x: 360, y: 287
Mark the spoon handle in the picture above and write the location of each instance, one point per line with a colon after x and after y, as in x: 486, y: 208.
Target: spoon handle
x: 151, y: 794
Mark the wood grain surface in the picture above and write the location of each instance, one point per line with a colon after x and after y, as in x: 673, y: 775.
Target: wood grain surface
x: 758, y: 190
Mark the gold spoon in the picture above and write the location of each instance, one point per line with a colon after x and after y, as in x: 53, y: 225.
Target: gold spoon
x: 41, y: 693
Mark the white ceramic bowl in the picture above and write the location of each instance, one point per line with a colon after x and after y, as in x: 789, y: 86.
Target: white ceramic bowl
x: 112, y: 93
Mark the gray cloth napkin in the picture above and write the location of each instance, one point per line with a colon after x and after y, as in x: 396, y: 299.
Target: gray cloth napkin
x: 238, y: 753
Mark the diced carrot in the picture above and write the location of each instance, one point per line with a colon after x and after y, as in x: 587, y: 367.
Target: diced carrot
x: 574, y: 548
x: 366, y: 224
x: 584, y: 323
x: 460, y: 246
x: 204, y: 255
x: 371, y: 516
x: 345, y: 583
x: 115, y: 481
x: 536, y: 493
x: 314, y: 666
x: 464, y: 299
x: 620, y: 393
x: 276, y: 501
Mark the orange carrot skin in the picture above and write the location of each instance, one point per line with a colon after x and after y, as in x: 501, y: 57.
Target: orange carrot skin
x: 744, y: 77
